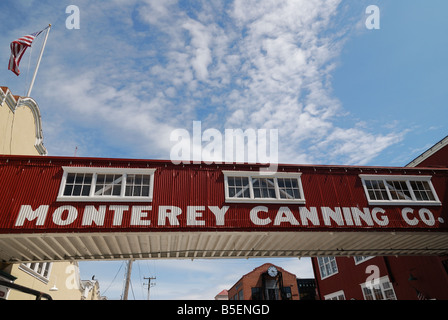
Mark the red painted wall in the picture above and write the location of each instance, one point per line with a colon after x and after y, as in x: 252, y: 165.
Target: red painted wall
x: 35, y: 181
x: 438, y: 160
x: 431, y: 276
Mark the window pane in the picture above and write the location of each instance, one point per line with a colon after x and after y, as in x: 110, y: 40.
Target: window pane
x: 376, y: 190
x: 77, y: 190
x: 47, y: 269
x: 86, y: 190
x: 106, y: 190
x: 378, y: 294
x: 238, y: 187
x: 137, y: 185
x: 146, y: 180
x: 71, y: 177
x: 79, y: 178
x: 288, y: 188
x: 88, y: 179
x: 109, y: 178
x: 422, y: 191
x: 367, y: 294
x: 264, y: 188
x: 327, y: 265
x: 117, y: 190
x: 100, y: 179
x: 390, y: 295
x: 77, y: 184
x: 68, y: 190
x: 130, y: 179
x: 108, y: 185
x: 399, y: 190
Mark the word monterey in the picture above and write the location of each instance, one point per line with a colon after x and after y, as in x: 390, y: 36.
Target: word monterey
x: 145, y: 216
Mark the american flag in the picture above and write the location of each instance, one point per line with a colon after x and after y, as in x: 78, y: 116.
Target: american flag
x: 18, y: 48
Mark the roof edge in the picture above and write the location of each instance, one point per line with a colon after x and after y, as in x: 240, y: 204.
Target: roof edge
x: 225, y: 166
x: 425, y: 155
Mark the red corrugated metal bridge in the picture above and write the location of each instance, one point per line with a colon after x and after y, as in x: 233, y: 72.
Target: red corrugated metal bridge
x: 57, y: 208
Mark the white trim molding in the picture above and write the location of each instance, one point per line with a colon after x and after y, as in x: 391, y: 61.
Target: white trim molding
x: 399, y: 190
x: 13, y: 104
x: 30, y: 103
x: 249, y: 188
x: 119, y: 185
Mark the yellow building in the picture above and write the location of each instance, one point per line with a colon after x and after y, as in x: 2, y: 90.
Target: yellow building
x: 21, y: 134
x: 20, y: 125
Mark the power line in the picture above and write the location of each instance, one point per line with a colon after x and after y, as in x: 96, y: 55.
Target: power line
x: 150, y: 284
x: 121, y: 265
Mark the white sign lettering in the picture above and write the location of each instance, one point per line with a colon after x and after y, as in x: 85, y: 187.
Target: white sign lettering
x: 197, y: 216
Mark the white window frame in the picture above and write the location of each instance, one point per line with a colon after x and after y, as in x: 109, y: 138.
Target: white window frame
x: 379, y: 286
x: 255, y: 175
x: 406, y: 178
x: 361, y: 259
x: 34, y: 272
x: 322, y: 277
x: 335, y: 295
x: 106, y: 198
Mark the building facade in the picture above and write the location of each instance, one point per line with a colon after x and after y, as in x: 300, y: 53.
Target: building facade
x: 223, y: 295
x: 70, y: 208
x: 267, y: 282
x: 20, y: 125
x: 307, y: 289
x: 62, y: 209
x: 388, y: 277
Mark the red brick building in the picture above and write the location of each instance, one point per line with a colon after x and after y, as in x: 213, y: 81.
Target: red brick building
x: 267, y: 282
x: 387, y: 277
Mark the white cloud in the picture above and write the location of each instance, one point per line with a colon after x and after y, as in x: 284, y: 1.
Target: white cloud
x: 244, y: 64
x: 201, y: 52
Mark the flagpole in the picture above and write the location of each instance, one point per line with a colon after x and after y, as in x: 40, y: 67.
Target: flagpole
x: 38, y: 61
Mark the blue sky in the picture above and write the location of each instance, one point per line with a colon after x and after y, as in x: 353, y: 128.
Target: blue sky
x: 337, y: 92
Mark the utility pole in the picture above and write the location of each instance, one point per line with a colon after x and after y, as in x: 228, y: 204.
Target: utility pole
x: 150, y: 284
x: 128, y: 280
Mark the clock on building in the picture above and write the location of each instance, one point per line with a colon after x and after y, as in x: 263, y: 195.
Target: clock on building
x: 272, y: 271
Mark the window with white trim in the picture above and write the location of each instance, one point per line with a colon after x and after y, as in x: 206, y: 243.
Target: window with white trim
x: 383, y: 290
x: 361, y: 259
x: 39, y: 270
x: 339, y: 295
x: 399, y: 190
x: 327, y: 266
x: 106, y: 184
x: 243, y: 186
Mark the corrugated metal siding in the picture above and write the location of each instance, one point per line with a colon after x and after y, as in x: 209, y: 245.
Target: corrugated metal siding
x: 35, y: 181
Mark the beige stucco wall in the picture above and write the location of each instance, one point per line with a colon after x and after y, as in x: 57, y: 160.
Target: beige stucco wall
x: 17, y: 131
x: 62, y: 283
x: 63, y: 276
x: 20, y: 125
